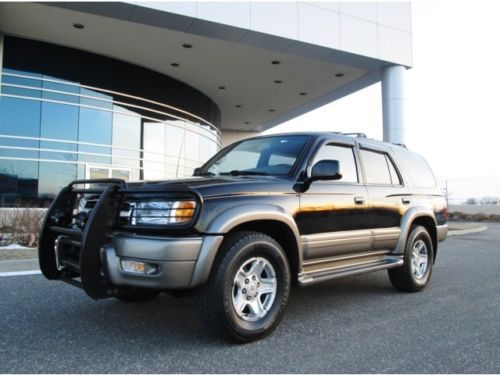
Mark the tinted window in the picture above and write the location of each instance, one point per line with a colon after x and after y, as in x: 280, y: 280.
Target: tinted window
x: 376, y: 169
x: 345, y: 156
x: 277, y: 159
x: 417, y: 168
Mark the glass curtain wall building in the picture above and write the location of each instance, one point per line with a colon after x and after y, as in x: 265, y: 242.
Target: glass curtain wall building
x: 67, y: 114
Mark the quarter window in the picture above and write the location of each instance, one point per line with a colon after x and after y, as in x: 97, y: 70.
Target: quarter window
x: 345, y: 156
x: 392, y: 169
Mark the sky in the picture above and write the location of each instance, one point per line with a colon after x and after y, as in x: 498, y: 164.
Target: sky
x: 452, y: 97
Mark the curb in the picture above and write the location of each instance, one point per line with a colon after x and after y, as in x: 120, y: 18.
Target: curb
x: 461, y: 232
x: 20, y: 273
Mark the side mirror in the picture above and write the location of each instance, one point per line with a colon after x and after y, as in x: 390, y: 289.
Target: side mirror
x: 326, y: 170
x: 196, y: 171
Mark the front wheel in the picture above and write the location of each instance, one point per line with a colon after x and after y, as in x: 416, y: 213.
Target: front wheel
x: 247, y: 291
x: 416, y: 271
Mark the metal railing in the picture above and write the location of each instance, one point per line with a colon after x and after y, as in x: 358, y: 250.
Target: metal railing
x: 202, y: 124
x: 180, y: 119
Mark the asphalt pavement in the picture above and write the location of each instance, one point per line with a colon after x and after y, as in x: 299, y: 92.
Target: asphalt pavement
x: 351, y: 325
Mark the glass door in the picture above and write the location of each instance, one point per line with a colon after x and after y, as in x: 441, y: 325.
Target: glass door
x: 99, y: 172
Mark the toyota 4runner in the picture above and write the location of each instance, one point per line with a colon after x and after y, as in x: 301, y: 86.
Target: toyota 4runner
x: 261, y: 215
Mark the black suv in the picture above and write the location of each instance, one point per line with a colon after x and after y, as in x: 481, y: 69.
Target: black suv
x: 260, y: 215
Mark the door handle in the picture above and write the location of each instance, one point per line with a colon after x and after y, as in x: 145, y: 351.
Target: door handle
x: 405, y: 200
x: 359, y: 200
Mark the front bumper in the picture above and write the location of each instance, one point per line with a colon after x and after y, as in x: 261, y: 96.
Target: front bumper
x: 181, y: 261
x: 89, y: 256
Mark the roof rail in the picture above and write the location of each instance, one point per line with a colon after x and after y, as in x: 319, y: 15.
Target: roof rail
x: 400, y: 145
x: 357, y: 135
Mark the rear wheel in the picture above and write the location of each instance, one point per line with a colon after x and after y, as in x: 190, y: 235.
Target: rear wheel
x: 247, y: 291
x: 416, y: 271
x: 139, y: 295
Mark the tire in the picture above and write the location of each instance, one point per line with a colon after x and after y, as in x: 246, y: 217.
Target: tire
x: 412, y: 277
x: 139, y: 295
x: 247, y: 291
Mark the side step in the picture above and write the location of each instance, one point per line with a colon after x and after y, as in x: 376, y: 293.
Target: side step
x: 361, y: 263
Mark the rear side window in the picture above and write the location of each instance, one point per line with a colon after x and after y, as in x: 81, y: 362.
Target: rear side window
x: 416, y: 168
x: 379, y: 168
x: 345, y: 156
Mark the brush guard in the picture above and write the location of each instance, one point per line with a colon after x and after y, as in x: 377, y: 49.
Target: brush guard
x: 72, y: 254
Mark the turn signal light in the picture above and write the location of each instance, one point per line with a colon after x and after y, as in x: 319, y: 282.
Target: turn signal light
x: 138, y: 268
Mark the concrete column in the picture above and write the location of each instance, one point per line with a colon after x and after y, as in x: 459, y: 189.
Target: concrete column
x: 393, y: 100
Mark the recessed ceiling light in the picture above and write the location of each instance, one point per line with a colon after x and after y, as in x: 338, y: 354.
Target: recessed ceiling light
x: 247, y: 122
x: 238, y: 105
x: 278, y: 81
x: 78, y: 26
x: 339, y: 75
x: 187, y: 45
x: 275, y: 62
x: 222, y: 87
x: 175, y: 64
x: 272, y: 110
x: 303, y: 93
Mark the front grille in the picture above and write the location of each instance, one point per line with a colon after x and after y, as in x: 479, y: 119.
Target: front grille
x: 68, y: 253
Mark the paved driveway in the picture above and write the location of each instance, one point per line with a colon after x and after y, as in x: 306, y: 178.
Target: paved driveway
x: 358, y: 324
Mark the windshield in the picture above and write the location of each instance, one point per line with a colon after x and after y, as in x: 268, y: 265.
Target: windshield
x: 263, y: 156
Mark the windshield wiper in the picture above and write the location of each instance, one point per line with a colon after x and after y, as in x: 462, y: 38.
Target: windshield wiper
x: 204, y: 174
x: 243, y: 173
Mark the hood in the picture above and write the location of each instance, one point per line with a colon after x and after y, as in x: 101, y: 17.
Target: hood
x: 223, y: 185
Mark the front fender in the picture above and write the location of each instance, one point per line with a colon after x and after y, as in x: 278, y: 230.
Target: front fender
x: 230, y: 219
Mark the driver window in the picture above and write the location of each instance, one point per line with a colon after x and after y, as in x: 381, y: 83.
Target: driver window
x: 345, y: 156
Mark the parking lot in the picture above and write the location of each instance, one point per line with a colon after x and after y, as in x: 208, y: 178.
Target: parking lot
x: 357, y: 324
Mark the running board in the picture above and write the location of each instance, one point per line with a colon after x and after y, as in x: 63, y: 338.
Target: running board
x: 386, y: 262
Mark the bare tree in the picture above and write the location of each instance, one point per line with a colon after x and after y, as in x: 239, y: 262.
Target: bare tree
x: 23, y: 224
x: 489, y: 200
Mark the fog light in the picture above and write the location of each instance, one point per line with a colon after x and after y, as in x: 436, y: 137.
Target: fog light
x: 138, y: 268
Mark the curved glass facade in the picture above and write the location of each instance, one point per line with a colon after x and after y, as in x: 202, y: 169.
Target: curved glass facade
x: 54, y: 129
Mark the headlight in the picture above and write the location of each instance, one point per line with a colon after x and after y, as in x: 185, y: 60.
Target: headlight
x: 162, y: 212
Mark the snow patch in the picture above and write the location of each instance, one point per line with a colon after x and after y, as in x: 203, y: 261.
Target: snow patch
x: 13, y: 246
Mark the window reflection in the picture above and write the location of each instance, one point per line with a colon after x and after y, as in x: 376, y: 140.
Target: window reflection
x: 18, y: 182
x: 53, y: 177
x: 175, y: 143
x: 126, y: 134
x: 94, y: 127
x: 154, y: 150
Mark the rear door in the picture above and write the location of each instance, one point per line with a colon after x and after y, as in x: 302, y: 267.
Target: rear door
x: 388, y: 196
x: 334, y: 218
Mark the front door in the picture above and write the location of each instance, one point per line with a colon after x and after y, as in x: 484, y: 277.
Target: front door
x: 334, y: 216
